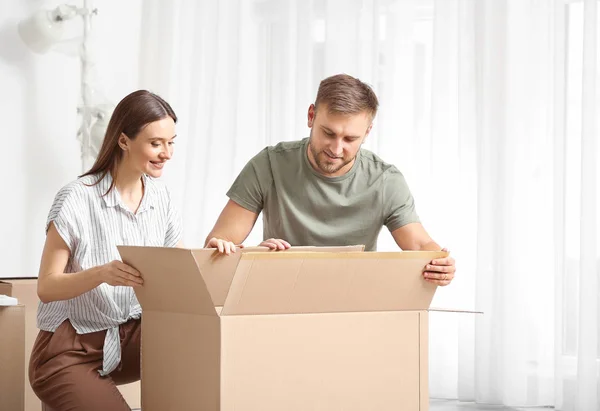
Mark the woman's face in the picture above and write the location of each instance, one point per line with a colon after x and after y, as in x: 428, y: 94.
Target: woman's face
x: 152, y: 147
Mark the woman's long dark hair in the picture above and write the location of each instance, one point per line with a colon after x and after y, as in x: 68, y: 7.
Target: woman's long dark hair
x: 129, y: 117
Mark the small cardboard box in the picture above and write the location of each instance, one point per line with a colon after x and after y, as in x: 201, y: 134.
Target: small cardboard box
x: 12, y: 357
x: 25, y: 290
x: 283, y: 330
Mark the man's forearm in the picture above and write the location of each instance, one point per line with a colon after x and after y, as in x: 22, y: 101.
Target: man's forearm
x: 234, y: 224
x: 221, y: 235
x: 430, y: 246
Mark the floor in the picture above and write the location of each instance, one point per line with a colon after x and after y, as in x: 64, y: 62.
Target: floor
x: 446, y: 405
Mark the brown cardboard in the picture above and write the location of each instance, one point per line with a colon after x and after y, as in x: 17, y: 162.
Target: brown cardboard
x: 25, y: 290
x: 297, y: 330
x: 12, y: 357
x: 5, y: 288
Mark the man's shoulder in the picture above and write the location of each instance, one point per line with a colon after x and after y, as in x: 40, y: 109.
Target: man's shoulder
x: 285, y: 147
x: 283, y: 154
x: 372, y: 163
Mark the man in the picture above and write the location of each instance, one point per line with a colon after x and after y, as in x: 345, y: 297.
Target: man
x: 325, y: 190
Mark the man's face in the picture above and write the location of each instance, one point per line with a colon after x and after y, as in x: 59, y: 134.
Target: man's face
x: 335, y: 139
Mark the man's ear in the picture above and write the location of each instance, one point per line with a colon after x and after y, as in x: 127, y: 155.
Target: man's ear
x: 368, y: 131
x: 311, y: 115
x: 124, y: 142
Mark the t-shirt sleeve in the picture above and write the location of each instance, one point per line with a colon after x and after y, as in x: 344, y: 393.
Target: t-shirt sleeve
x: 64, y: 213
x: 251, y: 186
x: 174, y: 226
x: 398, y: 203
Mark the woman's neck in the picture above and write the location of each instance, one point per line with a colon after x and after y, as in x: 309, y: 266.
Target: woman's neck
x: 130, y: 187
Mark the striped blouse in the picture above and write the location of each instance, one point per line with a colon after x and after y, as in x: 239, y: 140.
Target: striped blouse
x: 92, y: 225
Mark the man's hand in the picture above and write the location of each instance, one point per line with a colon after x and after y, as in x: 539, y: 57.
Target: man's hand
x: 275, y: 244
x: 224, y: 246
x: 441, y: 270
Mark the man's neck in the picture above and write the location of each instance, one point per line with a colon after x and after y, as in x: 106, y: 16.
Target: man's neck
x: 339, y: 173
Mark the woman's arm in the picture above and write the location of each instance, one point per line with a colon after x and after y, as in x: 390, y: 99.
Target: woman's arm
x: 55, y: 285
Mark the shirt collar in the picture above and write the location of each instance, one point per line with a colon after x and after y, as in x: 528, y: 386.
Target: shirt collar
x: 113, y: 198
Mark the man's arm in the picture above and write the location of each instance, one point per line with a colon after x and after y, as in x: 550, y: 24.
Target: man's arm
x: 413, y: 236
x: 233, y: 225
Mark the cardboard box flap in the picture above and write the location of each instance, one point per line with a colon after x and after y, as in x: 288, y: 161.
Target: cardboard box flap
x: 218, y: 269
x: 452, y: 310
x: 172, y: 280
x: 314, y: 282
x: 331, y: 249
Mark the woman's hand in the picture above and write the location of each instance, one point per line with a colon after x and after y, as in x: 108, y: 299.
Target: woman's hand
x: 118, y: 273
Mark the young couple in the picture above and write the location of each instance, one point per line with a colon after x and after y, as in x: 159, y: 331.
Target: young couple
x: 322, y: 190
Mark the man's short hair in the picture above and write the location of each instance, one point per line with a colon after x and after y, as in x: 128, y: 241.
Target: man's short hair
x: 344, y: 94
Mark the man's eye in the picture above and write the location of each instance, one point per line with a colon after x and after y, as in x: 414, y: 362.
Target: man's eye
x: 155, y: 145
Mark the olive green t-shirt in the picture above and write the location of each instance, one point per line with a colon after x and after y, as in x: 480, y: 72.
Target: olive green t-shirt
x: 305, y: 208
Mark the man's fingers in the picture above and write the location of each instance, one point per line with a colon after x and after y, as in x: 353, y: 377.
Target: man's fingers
x: 429, y: 275
x: 279, y: 243
x: 276, y: 244
x: 439, y: 268
x: 438, y: 282
x: 443, y: 261
x: 270, y: 243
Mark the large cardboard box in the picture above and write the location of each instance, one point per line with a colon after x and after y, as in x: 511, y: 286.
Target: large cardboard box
x: 25, y: 290
x: 283, y: 330
x: 12, y: 357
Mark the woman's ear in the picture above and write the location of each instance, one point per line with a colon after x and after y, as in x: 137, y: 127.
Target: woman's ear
x: 124, y: 142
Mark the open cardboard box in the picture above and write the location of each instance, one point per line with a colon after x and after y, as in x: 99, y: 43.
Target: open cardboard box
x: 306, y: 329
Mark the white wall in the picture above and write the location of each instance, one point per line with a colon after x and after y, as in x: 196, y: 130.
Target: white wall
x: 38, y: 99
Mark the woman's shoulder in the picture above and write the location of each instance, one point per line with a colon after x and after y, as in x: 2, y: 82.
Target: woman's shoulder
x: 80, y: 188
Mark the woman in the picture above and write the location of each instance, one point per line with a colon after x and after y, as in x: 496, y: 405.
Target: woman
x: 89, y: 316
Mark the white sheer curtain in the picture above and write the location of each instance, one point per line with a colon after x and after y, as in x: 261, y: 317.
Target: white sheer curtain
x: 489, y: 108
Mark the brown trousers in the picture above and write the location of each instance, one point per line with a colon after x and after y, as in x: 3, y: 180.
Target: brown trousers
x: 64, y: 365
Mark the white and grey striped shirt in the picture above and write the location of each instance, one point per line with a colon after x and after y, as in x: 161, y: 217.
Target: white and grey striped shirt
x: 92, y: 225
